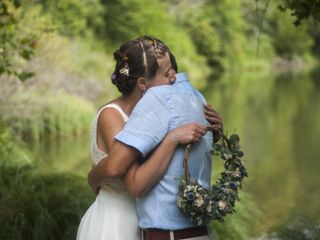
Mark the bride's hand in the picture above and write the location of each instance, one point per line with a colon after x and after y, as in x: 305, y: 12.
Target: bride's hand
x: 213, y: 117
x: 215, y: 120
x: 188, y: 133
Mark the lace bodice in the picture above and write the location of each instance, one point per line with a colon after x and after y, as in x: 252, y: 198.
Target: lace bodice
x: 97, y: 155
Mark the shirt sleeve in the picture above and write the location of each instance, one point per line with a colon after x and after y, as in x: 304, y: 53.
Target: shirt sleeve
x: 148, y: 124
x: 202, y: 98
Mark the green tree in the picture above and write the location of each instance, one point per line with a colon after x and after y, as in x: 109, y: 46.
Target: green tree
x: 128, y: 19
x: 73, y: 17
x: 15, y: 43
x: 289, y: 42
x: 217, y: 28
x: 229, y: 25
x: 302, y: 9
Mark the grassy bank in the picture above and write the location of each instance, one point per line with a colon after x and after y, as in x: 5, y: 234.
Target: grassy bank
x: 32, y: 115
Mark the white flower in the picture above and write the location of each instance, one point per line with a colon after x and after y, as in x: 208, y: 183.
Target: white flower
x: 222, y: 205
x: 124, y: 71
x: 209, y: 208
x: 199, y: 202
x: 227, y: 156
x: 237, y: 173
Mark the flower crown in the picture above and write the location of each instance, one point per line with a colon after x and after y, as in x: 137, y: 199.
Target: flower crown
x: 202, y: 205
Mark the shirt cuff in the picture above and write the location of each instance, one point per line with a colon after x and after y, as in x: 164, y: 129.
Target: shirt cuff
x: 144, y: 146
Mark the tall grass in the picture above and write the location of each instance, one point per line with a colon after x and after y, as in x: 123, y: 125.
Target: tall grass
x: 32, y: 115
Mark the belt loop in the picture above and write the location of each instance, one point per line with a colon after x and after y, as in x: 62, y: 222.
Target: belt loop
x: 171, y: 235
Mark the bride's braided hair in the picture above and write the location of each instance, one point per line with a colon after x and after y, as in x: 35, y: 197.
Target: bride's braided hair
x: 137, y: 58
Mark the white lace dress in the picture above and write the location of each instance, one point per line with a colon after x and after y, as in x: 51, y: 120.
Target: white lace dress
x: 112, y: 216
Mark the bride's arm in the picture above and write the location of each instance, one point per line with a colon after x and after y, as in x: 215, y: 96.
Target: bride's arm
x: 110, y: 122
x: 139, y: 179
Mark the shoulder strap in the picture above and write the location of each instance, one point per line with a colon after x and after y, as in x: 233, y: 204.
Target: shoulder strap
x: 117, y: 107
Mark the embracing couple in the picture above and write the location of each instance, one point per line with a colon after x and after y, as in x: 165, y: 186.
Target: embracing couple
x: 137, y: 145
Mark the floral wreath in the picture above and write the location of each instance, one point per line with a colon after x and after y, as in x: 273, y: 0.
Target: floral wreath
x: 203, y: 205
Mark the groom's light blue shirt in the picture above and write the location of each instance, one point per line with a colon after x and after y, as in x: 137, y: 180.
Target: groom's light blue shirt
x: 162, y: 109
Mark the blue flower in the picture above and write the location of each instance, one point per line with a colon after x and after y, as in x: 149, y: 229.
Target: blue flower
x: 233, y: 185
x: 190, y: 196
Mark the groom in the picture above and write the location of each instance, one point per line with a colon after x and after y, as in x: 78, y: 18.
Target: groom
x: 162, y: 109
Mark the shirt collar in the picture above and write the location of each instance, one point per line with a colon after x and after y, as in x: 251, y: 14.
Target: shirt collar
x: 181, y: 77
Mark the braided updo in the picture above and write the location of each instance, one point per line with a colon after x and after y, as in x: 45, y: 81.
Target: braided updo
x: 134, y: 59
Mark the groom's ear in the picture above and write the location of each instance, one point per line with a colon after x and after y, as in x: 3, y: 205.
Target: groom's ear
x: 141, y: 83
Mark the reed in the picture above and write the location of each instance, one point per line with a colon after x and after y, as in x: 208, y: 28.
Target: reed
x: 34, y: 116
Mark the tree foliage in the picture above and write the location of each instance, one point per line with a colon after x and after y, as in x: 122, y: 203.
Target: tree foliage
x: 130, y: 18
x: 288, y: 41
x: 215, y: 36
x: 15, y: 43
x: 302, y: 9
x: 73, y: 17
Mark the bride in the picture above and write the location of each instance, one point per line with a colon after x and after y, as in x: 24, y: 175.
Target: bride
x: 140, y: 64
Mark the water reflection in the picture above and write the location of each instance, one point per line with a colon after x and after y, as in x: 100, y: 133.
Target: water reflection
x: 297, y: 227
x: 277, y: 119
x: 63, y: 155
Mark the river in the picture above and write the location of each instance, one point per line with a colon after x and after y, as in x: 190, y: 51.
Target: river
x: 278, y: 120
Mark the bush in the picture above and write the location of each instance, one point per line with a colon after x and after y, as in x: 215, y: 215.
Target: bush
x: 37, y: 206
